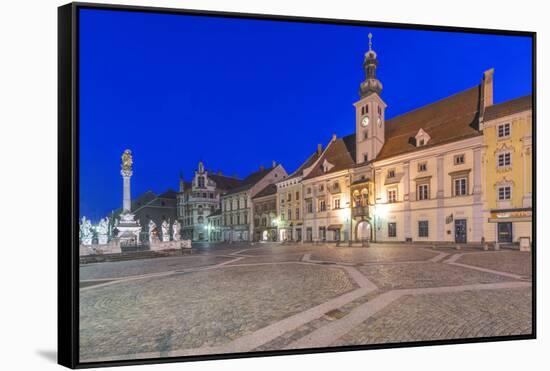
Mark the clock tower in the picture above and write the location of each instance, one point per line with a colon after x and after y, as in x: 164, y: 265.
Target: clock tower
x: 369, y: 112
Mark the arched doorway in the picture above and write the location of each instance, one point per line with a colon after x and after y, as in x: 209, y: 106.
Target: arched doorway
x: 363, y: 231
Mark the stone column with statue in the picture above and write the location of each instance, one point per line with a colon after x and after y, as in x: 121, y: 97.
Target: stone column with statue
x: 128, y: 228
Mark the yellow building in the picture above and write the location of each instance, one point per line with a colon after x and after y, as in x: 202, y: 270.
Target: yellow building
x: 507, y: 162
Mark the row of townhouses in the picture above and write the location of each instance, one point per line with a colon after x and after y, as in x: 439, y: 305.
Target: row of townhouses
x: 457, y: 170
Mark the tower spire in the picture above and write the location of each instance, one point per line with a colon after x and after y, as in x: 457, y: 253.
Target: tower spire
x: 370, y: 63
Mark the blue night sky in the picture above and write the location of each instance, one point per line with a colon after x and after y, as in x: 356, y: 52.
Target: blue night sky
x: 239, y: 93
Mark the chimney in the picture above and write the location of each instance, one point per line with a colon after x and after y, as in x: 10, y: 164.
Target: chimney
x: 487, y: 92
x: 273, y: 163
x: 319, y: 148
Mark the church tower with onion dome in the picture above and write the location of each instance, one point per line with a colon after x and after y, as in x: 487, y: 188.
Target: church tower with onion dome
x: 369, y: 111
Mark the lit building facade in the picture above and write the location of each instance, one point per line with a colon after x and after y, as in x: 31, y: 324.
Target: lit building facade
x: 236, y: 204
x: 199, y: 198
x: 265, y: 214
x: 429, y: 175
x: 507, y: 129
x: 289, y: 202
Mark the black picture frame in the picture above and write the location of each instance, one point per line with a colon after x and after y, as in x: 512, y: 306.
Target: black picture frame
x: 68, y: 183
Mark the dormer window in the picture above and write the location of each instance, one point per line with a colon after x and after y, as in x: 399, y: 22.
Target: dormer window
x: 327, y: 166
x: 422, y: 138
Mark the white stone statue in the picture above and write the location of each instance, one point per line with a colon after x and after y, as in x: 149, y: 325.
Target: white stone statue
x: 102, y: 230
x: 176, y: 231
x: 165, y: 226
x: 86, y: 233
x: 152, y: 227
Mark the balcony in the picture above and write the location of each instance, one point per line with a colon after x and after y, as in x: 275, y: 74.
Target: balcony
x: 360, y: 211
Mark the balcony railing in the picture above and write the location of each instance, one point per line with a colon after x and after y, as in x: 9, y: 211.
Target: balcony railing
x: 360, y: 211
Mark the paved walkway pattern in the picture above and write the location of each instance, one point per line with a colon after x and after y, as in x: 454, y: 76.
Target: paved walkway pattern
x: 269, y: 297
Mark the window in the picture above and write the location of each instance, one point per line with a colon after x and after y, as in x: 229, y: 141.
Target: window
x: 391, y: 173
x: 308, y: 191
x: 423, y: 228
x: 504, y: 130
x: 200, y: 182
x: 392, y: 230
x: 337, y: 203
x: 422, y: 192
x: 365, y: 134
x: 289, y: 197
x: 297, y: 213
x: 423, y: 166
x: 365, y: 157
x: 309, y: 207
x: 421, y: 142
x: 504, y: 159
x: 200, y: 210
x: 504, y: 193
x: 297, y: 196
x: 321, y: 188
x: 238, y: 219
x: 392, y: 195
x: 379, y: 110
x: 459, y: 159
x: 245, y: 218
x: 322, y: 205
x: 460, y: 186
x: 289, y: 212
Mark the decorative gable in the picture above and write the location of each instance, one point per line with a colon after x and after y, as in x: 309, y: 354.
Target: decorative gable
x: 422, y: 138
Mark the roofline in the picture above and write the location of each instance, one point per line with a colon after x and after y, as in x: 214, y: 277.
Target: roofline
x: 433, y: 103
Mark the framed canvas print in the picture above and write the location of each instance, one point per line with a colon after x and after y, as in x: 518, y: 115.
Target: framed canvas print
x: 237, y: 185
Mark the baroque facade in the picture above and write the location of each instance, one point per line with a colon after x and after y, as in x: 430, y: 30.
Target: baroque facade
x: 236, y: 204
x: 199, y: 199
x: 456, y: 171
x: 507, y: 159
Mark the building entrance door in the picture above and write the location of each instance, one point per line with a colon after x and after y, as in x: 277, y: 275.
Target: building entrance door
x: 460, y: 231
x: 363, y: 231
x: 504, y: 232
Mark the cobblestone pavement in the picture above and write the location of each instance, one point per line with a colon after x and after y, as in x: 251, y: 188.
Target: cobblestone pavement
x: 244, y: 298
x: 447, y: 316
x: 146, y: 266
x: 192, y: 310
x: 516, y: 262
x: 373, y: 254
x: 404, y: 276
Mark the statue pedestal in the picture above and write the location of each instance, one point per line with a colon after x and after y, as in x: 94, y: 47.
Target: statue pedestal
x: 165, y: 238
x: 102, y: 239
x: 128, y: 229
x: 87, y: 241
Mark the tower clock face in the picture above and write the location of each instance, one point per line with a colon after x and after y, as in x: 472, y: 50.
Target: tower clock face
x: 365, y: 121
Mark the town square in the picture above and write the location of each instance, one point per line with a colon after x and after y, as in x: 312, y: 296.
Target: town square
x: 240, y: 298
x: 410, y: 227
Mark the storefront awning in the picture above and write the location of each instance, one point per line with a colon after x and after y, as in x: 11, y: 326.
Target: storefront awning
x: 334, y: 226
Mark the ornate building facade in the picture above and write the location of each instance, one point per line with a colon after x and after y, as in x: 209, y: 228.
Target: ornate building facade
x: 508, y: 178
x: 440, y: 173
x: 236, y: 204
x: 199, y: 198
x: 265, y: 214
